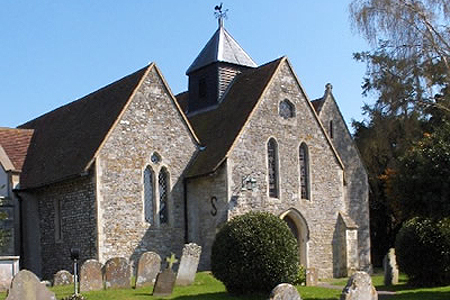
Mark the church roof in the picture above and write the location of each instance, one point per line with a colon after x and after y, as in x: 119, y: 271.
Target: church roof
x: 217, y: 129
x: 222, y: 47
x: 66, y: 139
x: 14, y: 143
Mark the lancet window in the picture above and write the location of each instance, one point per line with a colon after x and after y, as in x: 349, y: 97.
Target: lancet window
x: 272, y: 155
x: 304, y: 171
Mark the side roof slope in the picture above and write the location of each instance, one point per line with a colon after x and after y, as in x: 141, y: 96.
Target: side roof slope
x: 218, y: 128
x: 66, y: 139
x: 15, y: 143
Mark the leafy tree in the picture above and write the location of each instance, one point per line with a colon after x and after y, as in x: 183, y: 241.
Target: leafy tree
x: 411, y: 46
x: 381, y: 140
x: 421, y: 184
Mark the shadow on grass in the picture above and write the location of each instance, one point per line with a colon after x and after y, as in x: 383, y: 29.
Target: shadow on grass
x: 428, y: 295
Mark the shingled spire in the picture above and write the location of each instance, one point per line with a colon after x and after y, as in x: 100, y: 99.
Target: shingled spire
x: 218, y: 63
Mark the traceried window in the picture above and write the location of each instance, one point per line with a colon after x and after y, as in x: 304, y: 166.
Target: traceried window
x: 149, y: 195
x: 272, y: 155
x: 304, y: 171
x: 286, y: 109
x: 163, y: 182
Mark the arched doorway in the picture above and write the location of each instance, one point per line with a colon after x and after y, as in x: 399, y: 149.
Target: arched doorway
x: 299, y: 229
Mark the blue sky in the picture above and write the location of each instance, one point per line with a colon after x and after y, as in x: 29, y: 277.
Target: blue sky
x: 53, y: 52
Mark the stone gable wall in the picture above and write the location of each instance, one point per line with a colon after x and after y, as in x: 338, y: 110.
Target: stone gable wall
x: 357, y: 186
x: 150, y: 123
x: 249, y: 158
x: 79, y: 223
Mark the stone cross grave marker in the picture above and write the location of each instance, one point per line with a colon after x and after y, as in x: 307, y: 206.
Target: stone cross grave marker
x: 117, y: 273
x: 165, y: 281
x: 284, y: 291
x: 91, y: 277
x: 148, y: 267
x: 188, y: 264
x: 62, y: 277
x: 390, y: 268
x: 359, y: 287
x: 26, y: 285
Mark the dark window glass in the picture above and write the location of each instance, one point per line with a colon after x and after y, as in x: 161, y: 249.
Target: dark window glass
x: 163, y: 180
x: 272, y: 153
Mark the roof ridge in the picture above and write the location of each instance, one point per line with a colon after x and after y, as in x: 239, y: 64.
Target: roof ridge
x: 85, y: 97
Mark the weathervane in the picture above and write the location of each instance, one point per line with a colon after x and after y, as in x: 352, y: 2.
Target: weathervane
x: 220, y: 14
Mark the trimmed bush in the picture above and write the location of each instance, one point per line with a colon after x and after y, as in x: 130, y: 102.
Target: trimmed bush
x: 254, y: 253
x: 423, y: 251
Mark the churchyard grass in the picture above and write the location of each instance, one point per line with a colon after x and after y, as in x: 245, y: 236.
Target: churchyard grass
x: 403, y: 290
x: 206, y: 287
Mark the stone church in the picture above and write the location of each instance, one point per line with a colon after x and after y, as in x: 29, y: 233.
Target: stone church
x: 131, y: 167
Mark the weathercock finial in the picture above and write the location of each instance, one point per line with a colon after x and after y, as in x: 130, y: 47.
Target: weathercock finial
x: 220, y: 14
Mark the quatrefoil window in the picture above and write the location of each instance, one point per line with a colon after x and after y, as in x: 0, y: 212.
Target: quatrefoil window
x: 286, y: 109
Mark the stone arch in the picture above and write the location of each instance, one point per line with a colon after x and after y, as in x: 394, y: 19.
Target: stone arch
x: 299, y: 228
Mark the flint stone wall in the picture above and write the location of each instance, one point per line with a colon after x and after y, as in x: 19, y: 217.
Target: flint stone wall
x: 357, y: 186
x: 78, y: 222
x: 326, y: 175
x: 151, y: 123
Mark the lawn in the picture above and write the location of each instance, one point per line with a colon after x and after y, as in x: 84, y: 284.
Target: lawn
x: 208, y: 288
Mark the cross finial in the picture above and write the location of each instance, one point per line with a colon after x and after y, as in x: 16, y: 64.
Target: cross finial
x: 220, y: 14
x: 172, y: 260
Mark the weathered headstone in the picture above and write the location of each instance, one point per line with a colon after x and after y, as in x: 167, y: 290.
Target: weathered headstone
x: 117, y: 273
x: 165, y: 281
x: 62, y: 277
x: 26, y: 286
x: 311, y: 277
x: 284, y: 291
x: 91, y: 277
x: 188, y: 264
x: 390, y: 268
x: 359, y: 287
x: 148, y: 268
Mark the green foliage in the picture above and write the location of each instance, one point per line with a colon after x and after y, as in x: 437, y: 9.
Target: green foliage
x: 253, y: 253
x: 423, y: 251
x: 5, y: 236
x: 381, y: 141
x: 301, y: 276
x: 422, y: 182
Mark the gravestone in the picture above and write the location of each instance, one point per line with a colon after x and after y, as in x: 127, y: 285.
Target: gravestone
x: 62, y: 277
x: 148, y: 268
x: 91, y: 277
x: 117, y: 273
x: 165, y: 281
x: 284, y: 291
x: 359, y: 287
x: 311, y: 277
x: 26, y: 286
x: 188, y: 264
x: 390, y: 268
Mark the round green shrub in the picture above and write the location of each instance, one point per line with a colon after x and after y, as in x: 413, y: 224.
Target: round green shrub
x: 423, y: 251
x: 254, y: 253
